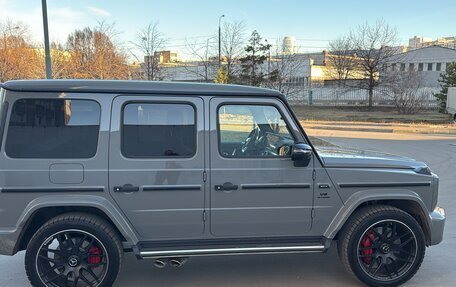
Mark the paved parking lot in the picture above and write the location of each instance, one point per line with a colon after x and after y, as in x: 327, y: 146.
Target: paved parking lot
x: 298, y: 269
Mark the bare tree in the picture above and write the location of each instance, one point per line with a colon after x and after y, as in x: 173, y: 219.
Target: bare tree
x: 408, y: 91
x: 149, y: 41
x: 60, y: 62
x: 95, y: 55
x: 61, y: 59
x: 373, y: 45
x: 18, y: 58
x: 205, y: 62
x: 285, y: 71
x: 342, y: 61
x: 232, y: 46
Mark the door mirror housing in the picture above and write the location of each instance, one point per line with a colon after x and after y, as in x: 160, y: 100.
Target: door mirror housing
x: 301, y: 154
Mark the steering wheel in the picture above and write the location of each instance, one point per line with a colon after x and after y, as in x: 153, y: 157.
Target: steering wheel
x: 250, y: 142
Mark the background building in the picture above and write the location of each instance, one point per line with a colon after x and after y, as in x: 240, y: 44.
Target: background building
x: 289, y: 45
x: 429, y: 61
x: 420, y: 42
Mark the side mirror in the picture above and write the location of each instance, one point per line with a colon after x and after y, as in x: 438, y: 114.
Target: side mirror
x: 301, y: 154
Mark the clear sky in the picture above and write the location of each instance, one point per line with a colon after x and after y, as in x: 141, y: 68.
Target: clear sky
x: 313, y: 23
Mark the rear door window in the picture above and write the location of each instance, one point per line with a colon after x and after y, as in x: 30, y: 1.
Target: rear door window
x: 158, y: 130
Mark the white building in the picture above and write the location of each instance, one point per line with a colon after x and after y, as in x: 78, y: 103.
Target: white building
x: 289, y: 45
x: 420, y: 42
x: 430, y: 61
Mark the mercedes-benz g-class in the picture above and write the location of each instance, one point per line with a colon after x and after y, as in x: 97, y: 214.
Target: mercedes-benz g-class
x: 92, y: 169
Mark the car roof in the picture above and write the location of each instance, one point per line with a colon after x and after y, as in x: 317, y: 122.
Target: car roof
x: 136, y: 87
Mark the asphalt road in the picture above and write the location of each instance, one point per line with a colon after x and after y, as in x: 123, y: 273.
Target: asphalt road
x: 298, y: 269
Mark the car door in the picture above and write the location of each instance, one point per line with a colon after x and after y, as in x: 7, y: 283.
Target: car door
x: 255, y: 191
x: 156, y: 164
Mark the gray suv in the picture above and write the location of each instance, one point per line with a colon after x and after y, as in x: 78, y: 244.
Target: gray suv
x: 92, y: 169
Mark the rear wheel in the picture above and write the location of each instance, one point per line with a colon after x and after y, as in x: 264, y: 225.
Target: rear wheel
x: 74, y: 250
x: 382, y: 246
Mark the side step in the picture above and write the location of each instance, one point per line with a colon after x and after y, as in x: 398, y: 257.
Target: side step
x: 153, y: 251
x: 230, y: 251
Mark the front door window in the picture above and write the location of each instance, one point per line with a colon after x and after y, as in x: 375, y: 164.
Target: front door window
x: 252, y: 131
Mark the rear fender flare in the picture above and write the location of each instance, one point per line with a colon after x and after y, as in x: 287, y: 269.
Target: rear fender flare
x: 93, y: 201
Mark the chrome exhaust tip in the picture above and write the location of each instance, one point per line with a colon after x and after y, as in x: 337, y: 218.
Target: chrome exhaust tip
x: 177, y: 262
x: 160, y: 263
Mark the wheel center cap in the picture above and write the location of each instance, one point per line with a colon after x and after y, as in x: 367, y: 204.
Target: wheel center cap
x: 73, y: 261
x: 385, y: 248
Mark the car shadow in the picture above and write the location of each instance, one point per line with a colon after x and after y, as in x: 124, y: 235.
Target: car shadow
x: 314, y: 269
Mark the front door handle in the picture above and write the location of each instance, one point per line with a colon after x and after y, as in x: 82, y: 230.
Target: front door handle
x: 126, y: 188
x: 227, y: 186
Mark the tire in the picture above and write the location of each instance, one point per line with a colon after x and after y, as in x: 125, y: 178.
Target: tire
x: 74, y: 249
x: 379, y: 259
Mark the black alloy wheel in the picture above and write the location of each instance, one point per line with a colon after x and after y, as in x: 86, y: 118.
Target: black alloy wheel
x: 387, y: 250
x: 382, y: 245
x: 72, y: 258
x: 74, y: 250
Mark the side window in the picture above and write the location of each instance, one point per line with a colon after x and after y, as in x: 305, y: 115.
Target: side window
x: 158, y: 130
x: 252, y: 131
x: 53, y: 128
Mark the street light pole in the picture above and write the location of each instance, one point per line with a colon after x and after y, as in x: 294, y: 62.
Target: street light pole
x: 47, y: 50
x: 269, y: 58
x: 220, y: 41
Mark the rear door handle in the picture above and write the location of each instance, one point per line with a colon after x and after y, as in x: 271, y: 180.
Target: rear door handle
x: 126, y: 188
x: 227, y: 186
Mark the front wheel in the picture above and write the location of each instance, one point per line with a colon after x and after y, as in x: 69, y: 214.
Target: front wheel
x: 74, y: 250
x: 382, y: 246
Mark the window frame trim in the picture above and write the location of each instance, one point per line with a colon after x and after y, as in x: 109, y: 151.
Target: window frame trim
x: 7, y: 128
x: 121, y: 128
x: 4, y: 110
x: 256, y: 104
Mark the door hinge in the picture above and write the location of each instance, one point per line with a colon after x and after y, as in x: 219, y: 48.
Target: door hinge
x: 204, y: 215
x: 204, y: 176
x: 314, y: 174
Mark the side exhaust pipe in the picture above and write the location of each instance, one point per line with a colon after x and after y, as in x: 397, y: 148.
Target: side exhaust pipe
x: 161, y: 263
x: 177, y: 262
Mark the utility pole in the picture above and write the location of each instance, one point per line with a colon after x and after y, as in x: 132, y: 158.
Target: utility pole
x: 47, y: 50
x: 220, y: 41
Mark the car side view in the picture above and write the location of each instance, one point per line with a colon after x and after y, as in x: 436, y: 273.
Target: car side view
x: 92, y: 169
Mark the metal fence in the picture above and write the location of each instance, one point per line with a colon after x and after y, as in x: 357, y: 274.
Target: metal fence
x: 329, y: 96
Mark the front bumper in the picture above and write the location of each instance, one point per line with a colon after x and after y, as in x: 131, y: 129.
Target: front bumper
x: 437, y: 225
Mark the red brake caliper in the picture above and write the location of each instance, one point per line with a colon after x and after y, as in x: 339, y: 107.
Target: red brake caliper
x: 94, y: 255
x: 366, y: 242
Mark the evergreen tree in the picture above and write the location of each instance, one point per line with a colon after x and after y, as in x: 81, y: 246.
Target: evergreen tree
x: 256, y: 55
x: 448, y: 79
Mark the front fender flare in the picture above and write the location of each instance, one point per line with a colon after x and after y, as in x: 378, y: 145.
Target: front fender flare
x: 363, y: 196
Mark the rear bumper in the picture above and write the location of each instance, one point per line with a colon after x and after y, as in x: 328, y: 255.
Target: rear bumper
x: 437, y: 225
x: 8, y: 241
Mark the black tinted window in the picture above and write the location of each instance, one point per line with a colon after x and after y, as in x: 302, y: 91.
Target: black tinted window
x: 53, y: 128
x: 158, y: 130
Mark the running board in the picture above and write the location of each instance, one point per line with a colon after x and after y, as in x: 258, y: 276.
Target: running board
x: 143, y: 254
